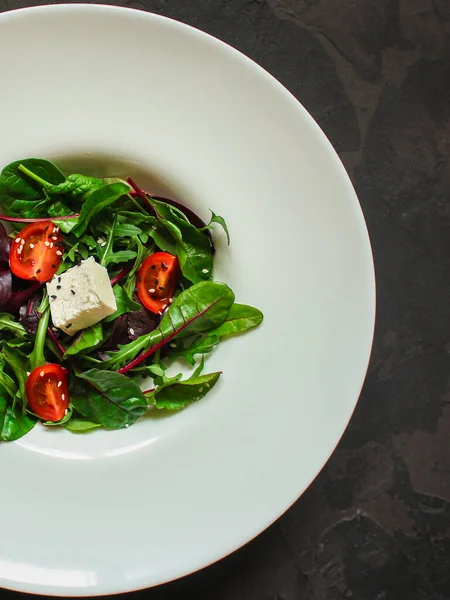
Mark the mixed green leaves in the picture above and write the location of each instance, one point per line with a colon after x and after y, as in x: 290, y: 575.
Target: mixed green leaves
x: 120, y: 225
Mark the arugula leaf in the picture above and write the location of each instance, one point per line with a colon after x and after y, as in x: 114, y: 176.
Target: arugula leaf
x: 7, y: 322
x: 203, y: 306
x: 6, y: 381
x: 98, y: 200
x: 19, y: 195
x: 80, y: 425
x: 13, y: 424
x: 176, y: 395
x: 87, y: 339
x: 111, y: 399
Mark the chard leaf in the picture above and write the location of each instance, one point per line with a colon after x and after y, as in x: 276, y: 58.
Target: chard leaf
x: 241, y: 318
x: 178, y: 394
x: 13, y: 424
x: 111, y: 399
x: 87, y: 339
x: 201, y: 307
x: 98, y: 200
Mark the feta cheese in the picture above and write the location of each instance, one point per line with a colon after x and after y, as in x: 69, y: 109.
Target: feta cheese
x: 81, y: 297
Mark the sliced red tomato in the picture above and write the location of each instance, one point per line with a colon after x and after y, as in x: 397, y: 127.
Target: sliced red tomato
x: 47, y: 390
x: 37, y: 251
x: 157, y: 281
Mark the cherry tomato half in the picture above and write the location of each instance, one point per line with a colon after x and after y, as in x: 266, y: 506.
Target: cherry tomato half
x: 37, y: 251
x: 157, y: 281
x: 47, y: 390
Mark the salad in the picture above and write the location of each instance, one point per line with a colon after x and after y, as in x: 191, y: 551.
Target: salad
x: 102, y: 286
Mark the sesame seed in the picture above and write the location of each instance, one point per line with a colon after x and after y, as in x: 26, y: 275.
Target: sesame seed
x: 205, y: 270
x: 207, y: 385
x: 32, y: 263
x: 73, y: 292
x: 28, y: 373
x: 69, y: 325
x: 161, y: 288
x: 103, y: 244
x: 22, y: 242
x: 154, y: 227
x: 55, y: 229
x: 126, y: 425
x: 58, y: 253
x: 164, y: 267
x: 164, y: 306
x: 42, y: 373
x: 47, y: 243
x: 59, y: 383
x: 152, y: 290
x: 19, y: 251
x: 173, y: 345
x: 53, y: 297
x: 38, y: 271
x: 131, y: 331
x: 18, y: 240
x: 66, y: 411
x: 54, y: 329
x: 76, y: 250
x: 156, y: 282
x: 54, y: 238
x: 31, y: 246
x: 51, y: 244
x: 159, y: 312
x: 59, y: 279
x: 58, y: 287
x: 200, y: 390
x: 63, y: 396
x: 170, y: 300
x: 153, y: 267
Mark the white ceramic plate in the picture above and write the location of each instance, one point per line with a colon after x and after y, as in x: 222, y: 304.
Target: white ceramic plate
x: 121, y: 91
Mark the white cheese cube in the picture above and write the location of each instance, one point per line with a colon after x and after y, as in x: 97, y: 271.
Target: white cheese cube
x: 81, y: 297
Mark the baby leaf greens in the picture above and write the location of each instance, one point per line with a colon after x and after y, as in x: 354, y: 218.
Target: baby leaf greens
x: 158, y: 255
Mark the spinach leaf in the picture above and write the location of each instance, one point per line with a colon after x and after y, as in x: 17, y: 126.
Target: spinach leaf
x: 124, y: 304
x: 6, y: 381
x: 76, y: 425
x: 20, y: 365
x: 111, y: 399
x: 176, y: 395
x: 87, y: 339
x: 7, y: 322
x: 241, y: 318
x: 203, y: 306
x: 193, y: 247
x: 19, y: 194
x: 98, y: 200
x: 13, y: 424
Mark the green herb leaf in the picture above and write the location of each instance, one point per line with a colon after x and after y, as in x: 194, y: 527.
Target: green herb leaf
x: 98, y: 200
x: 13, y: 424
x: 173, y: 396
x: 81, y: 425
x: 87, y: 339
x: 37, y: 357
x: 8, y: 323
x: 202, y: 307
x: 124, y: 304
x: 19, y: 195
x: 193, y: 247
x: 111, y: 399
x: 20, y: 365
x: 220, y: 221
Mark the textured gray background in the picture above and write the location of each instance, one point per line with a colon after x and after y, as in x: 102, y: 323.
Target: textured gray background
x: 375, y: 74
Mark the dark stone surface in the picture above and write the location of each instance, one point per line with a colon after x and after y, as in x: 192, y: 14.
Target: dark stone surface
x: 375, y: 525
